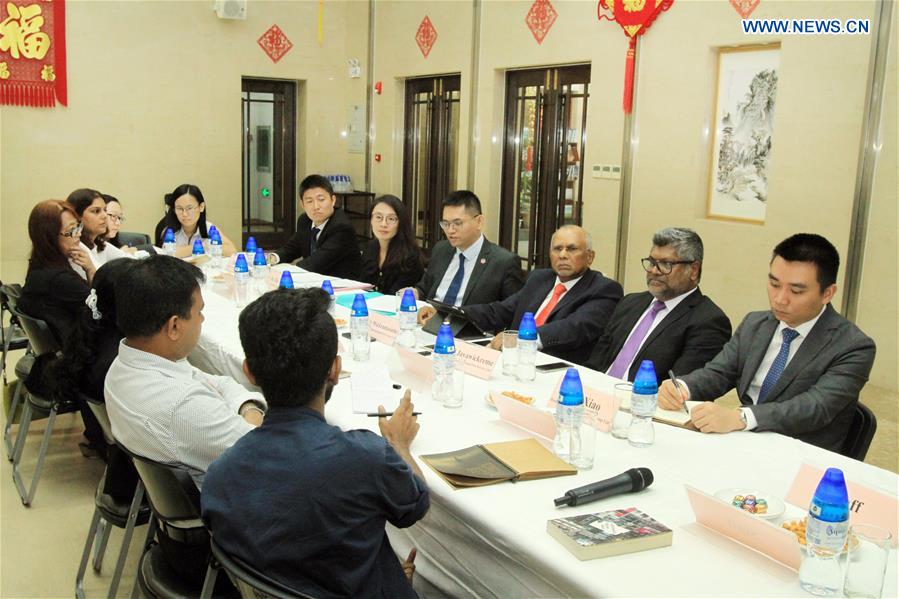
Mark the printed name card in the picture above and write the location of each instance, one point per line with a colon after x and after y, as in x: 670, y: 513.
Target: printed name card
x: 531, y: 419
x: 476, y: 360
x: 416, y: 365
x: 768, y: 539
x: 601, y: 405
x: 866, y: 505
x: 383, y: 328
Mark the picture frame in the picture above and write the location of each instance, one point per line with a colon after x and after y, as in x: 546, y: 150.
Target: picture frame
x: 742, y: 131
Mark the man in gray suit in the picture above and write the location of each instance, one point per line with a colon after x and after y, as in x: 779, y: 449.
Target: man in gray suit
x: 797, y: 368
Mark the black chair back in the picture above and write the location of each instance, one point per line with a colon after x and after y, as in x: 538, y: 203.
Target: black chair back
x: 134, y: 239
x: 171, y: 491
x: 9, y: 296
x: 39, y: 334
x: 251, y: 583
x: 860, y: 434
x: 99, y: 410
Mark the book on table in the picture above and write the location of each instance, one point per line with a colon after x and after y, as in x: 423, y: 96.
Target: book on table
x: 604, y: 534
x: 673, y: 417
x: 493, y: 463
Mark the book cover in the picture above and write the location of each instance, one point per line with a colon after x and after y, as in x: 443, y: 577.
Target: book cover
x: 609, y: 533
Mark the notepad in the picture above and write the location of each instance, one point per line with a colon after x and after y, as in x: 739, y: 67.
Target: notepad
x: 672, y: 417
x: 371, y: 388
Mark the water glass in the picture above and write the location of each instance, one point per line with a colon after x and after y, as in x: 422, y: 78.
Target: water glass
x: 622, y: 419
x: 454, y: 399
x: 510, y: 352
x: 584, y: 459
x: 866, y: 561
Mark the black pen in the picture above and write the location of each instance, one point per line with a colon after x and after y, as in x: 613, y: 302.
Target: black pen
x: 680, y: 390
x: 383, y: 414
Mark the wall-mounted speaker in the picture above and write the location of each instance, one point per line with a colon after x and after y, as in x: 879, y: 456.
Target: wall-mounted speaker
x: 231, y: 9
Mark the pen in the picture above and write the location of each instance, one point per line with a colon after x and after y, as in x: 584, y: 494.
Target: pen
x: 379, y: 414
x: 680, y: 390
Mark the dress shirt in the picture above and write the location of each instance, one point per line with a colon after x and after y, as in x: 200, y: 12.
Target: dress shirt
x: 173, y: 413
x: 568, y: 285
x: 181, y: 237
x: 109, y: 252
x: 320, y: 227
x: 670, y: 305
x: 471, y: 258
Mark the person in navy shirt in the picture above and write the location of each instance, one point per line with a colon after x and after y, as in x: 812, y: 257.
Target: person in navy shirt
x: 298, y: 499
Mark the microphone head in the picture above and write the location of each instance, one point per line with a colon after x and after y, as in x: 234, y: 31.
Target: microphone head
x: 641, y: 477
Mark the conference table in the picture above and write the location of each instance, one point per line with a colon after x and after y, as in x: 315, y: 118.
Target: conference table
x: 491, y: 541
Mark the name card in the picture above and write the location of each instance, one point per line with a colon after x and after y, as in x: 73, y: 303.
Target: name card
x: 529, y: 418
x: 601, y: 405
x: 476, y: 360
x: 383, y: 328
x: 760, y: 535
x: 866, y: 505
x: 416, y: 365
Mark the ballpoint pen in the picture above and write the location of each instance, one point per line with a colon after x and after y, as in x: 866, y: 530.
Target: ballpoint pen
x: 680, y: 390
x: 382, y: 414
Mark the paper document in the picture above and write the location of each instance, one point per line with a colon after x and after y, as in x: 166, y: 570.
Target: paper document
x: 371, y: 388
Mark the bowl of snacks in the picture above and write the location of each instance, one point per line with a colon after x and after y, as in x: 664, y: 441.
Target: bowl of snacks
x: 797, y: 527
x: 516, y: 394
x: 340, y: 322
x: 758, y: 503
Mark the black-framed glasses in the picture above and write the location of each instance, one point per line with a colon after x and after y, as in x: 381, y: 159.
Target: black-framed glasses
x: 664, y: 266
x: 74, y: 232
x: 116, y: 218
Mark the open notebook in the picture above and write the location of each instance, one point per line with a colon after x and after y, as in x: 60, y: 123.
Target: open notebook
x: 673, y: 417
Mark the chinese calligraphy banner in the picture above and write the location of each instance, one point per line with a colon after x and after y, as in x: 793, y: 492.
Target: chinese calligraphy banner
x: 33, y: 52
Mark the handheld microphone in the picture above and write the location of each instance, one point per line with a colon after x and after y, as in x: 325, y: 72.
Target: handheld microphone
x: 631, y: 481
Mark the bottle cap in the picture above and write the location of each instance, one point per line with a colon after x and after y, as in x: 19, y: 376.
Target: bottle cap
x: 408, y: 304
x: 327, y: 287
x: 360, y: 308
x: 286, y: 280
x: 832, y: 488
x: 240, y: 264
x: 527, y: 329
x: 198, y: 248
x: 214, y: 236
x: 259, y: 258
x: 251, y: 245
x: 168, y: 236
x: 646, y: 383
x: 445, y: 343
x: 571, y: 393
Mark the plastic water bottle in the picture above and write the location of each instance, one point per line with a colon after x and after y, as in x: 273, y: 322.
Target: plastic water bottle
x: 286, y: 281
x: 825, y: 536
x: 329, y: 289
x: 359, y: 329
x: 569, y: 413
x: 260, y: 272
x: 527, y: 348
x: 446, y: 388
x: 168, y: 242
x: 644, y: 399
x: 241, y: 280
x: 251, y: 245
x: 215, y: 248
x: 408, y: 319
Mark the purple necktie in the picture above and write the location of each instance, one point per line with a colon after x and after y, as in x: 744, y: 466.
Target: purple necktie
x: 624, y: 358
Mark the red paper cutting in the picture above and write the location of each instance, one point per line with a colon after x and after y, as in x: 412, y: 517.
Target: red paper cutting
x: 274, y: 43
x: 540, y: 19
x: 745, y: 7
x: 426, y: 36
x: 33, y: 53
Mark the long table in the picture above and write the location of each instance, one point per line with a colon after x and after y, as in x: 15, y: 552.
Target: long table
x: 492, y: 541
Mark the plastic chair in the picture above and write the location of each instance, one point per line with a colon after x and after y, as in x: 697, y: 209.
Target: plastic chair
x: 110, y: 512
x: 134, y: 239
x: 251, y: 583
x: 42, y: 343
x: 860, y: 433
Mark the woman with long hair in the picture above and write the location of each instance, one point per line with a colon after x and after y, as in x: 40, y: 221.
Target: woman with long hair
x: 186, y: 217
x: 90, y: 207
x: 115, y: 216
x: 392, y: 260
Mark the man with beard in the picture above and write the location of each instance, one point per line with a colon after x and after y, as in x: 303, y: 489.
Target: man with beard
x: 300, y: 500
x: 673, y: 323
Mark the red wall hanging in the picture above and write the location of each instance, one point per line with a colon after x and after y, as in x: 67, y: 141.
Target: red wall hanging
x: 745, y: 7
x: 426, y: 36
x: 635, y: 17
x: 540, y: 19
x: 274, y: 43
x: 33, y: 53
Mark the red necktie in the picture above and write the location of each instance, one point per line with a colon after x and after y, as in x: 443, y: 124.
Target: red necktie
x: 545, y: 312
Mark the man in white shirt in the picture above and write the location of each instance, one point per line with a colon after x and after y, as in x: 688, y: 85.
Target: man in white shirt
x: 160, y: 406
x: 797, y: 368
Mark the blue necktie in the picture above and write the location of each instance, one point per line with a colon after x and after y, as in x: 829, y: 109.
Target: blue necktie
x: 780, y: 363
x: 313, y: 243
x: 456, y: 283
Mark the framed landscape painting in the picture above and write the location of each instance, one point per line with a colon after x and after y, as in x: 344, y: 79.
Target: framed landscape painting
x: 743, y: 129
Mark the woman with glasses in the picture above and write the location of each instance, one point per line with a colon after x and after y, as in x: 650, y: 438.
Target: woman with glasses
x: 186, y: 217
x: 392, y: 260
x: 90, y: 207
x: 115, y: 218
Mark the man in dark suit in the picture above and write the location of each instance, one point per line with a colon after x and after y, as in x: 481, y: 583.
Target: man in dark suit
x: 325, y: 239
x: 673, y: 323
x: 571, y: 303
x: 797, y: 368
x: 465, y: 268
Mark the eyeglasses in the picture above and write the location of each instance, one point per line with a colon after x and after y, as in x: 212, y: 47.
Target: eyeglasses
x: 665, y: 267
x: 73, y: 232
x: 457, y: 224
x: 116, y: 218
x: 380, y: 218
x: 186, y: 210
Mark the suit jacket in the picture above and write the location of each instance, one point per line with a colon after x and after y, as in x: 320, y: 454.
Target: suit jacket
x: 573, y: 326
x: 337, y: 254
x: 691, y: 335
x: 814, y: 399
x: 496, y: 275
x: 391, y: 280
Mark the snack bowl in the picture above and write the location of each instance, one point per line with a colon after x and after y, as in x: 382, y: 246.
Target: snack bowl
x: 751, y: 500
x: 797, y: 527
x: 518, y: 393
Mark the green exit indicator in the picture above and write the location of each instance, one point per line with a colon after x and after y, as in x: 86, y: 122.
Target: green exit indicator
x: 266, y: 192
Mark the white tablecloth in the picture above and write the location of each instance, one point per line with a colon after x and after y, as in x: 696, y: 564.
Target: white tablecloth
x: 492, y: 541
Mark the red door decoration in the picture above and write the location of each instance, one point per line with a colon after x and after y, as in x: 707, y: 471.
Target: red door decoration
x: 635, y: 17
x: 540, y: 19
x: 33, y: 53
x: 426, y: 36
x: 274, y: 43
x: 745, y: 7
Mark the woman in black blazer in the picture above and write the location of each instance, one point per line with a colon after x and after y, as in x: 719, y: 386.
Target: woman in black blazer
x: 392, y: 260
